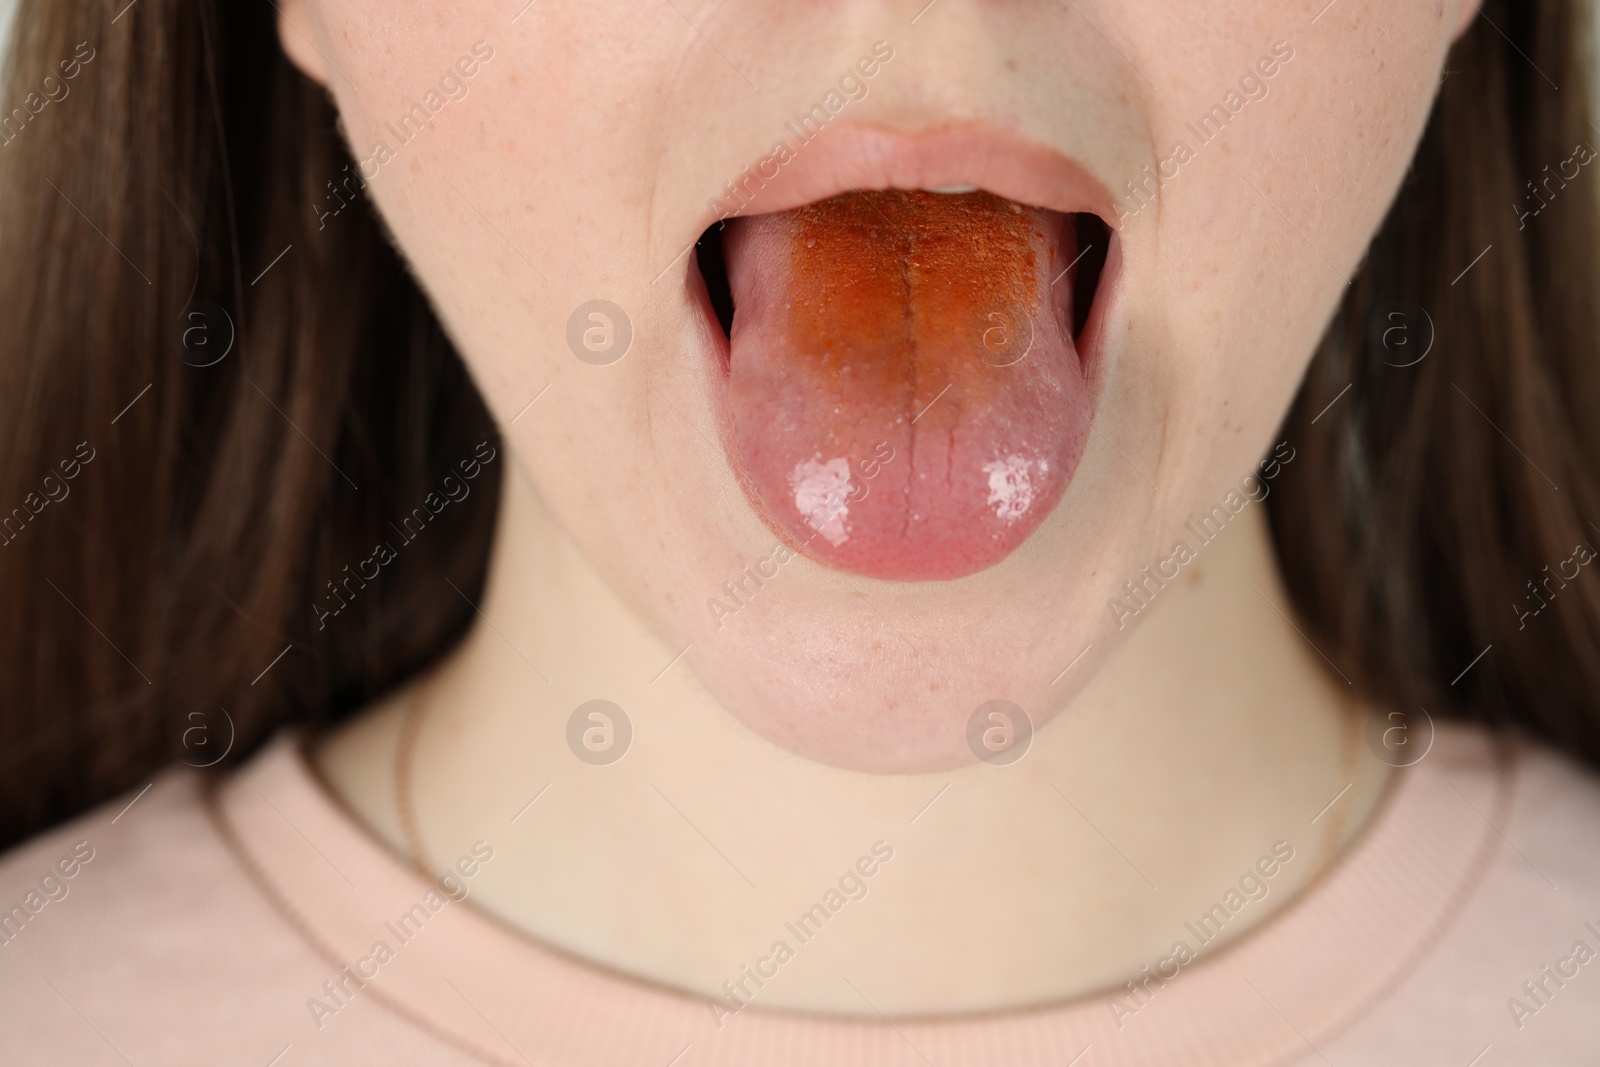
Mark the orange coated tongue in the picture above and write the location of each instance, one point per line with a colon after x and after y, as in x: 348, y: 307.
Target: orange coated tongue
x: 904, y: 395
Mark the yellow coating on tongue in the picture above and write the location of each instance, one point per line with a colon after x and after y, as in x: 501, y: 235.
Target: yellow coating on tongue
x: 915, y: 278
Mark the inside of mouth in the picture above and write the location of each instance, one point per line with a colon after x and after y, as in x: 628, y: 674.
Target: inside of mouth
x: 904, y: 395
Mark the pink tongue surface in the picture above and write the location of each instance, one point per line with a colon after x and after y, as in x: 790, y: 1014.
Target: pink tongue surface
x: 903, y: 392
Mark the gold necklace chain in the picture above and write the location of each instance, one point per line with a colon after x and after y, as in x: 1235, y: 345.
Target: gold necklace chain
x: 405, y: 806
x: 411, y: 726
x: 1339, y: 810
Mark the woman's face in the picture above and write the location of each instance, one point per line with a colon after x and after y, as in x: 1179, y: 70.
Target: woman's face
x: 546, y: 170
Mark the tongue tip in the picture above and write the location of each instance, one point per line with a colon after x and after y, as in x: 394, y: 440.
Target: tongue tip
x: 908, y: 561
x: 859, y: 518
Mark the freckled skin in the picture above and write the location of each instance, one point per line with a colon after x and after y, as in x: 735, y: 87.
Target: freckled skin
x: 1219, y: 294
x: 915, y: 325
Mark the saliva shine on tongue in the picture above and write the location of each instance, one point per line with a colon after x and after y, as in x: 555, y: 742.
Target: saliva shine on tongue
x: 904, y: 395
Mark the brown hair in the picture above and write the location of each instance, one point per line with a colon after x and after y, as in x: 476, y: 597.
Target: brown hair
x: 1438, y: 512
x: 145, y: 214
x: 164, y: 207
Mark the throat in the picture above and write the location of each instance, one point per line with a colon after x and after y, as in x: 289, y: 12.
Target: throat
x: 688, y: 860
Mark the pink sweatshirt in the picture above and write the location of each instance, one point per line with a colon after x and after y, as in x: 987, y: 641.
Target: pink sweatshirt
x: 257, y: 925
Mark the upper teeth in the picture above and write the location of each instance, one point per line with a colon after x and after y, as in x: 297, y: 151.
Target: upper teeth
x: 953, y: 189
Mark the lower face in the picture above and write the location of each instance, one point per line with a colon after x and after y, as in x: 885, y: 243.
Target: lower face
x: 875, y: 348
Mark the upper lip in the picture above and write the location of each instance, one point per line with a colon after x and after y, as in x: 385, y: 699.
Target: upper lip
x: 857, y: 157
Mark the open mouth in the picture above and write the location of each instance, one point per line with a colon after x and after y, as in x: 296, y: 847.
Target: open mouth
x: 906, y: 391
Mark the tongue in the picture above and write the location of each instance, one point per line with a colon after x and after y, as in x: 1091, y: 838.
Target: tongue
x: 903, y: 391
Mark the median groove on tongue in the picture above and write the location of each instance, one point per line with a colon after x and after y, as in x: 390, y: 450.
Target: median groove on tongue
x: 845, y: 313
x: 908, y: 319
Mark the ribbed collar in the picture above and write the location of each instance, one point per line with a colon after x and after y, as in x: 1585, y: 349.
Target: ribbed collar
x: 1268, y: 998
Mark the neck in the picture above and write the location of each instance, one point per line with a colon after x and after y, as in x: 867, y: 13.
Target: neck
x: 1212, y: 736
